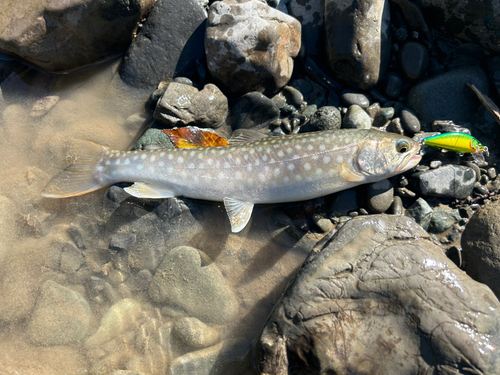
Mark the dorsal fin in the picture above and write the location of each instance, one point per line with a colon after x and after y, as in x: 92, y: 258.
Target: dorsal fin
x: 241, y: 136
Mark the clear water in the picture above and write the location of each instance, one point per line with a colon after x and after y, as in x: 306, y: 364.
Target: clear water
x: 95, y: 105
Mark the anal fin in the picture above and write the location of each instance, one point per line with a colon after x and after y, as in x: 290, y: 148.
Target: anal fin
x: 143, y: 190
x: 239, y: 213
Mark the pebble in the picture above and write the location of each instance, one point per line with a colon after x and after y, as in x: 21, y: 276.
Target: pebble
x: 395, y: 126
x: 405, y: 192
x: 422, y: 168
x: 403, y: 181
x: 450, y: 181
x: 356, y: 118
x: 492, y: 173
x: 352, y: 97
x: 324, y: 224
x: 344, y: 202
x: 194, y: 334
x: 400, y: 34
x: 397, y: 206
x: 393, y: 85
x: 421, y: 212
x: 484, y: 179
x: 448, y: 127
x: 435, y: 164
x: 325, y: 118
x: 293, y: 96
x: 480, y: 190
x: 493, y: 186
x: 71, y: 259
x: 410, y: 121
x: 443, y: 219
x: 380, y: 196
x: 413, y: 60
x: 383, y: 115
x: 282, y: 230
x: 253, y: 111
x: 475, y: 167
x: 122, y: 241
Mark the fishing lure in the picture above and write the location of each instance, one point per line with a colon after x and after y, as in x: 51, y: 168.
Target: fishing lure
x: 458, y: 142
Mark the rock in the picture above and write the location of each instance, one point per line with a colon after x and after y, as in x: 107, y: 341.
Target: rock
x: 344, y: 202
x: 421, y: 212
x: 250, y: 46
x: 121, y: 317
x: 448, y: 127
x: 166, y: 49
x: 350, y: 97
x: 195, y: 334
x: 253, y: 110
x: 446, y: 97
x: 397, y: 206
x: 183, y: 105
x: 282, y: 230
x: 381, y: 298
x: 358, y: 41
x: 61, y: 316
x: 84, y: 31
x: 380, y: 196
x: 481, y: 246
x: 153, y: 139
x: 43, y: 105
x: 189, y: 280
x: 356, y: 118
x: 71, y: 259
x: 410, y: 121
x: 413, y: 60
x: 293, y: 96
x: 325, y: 118
x: 393, y: 85
x: 122, y: 241
x: 450, y: 181
x: 310, y: 14
x: 443, y: 219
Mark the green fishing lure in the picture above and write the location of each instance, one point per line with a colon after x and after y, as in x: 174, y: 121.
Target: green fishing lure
x: 458, y: 142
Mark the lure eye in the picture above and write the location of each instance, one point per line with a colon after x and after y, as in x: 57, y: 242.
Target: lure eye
x: 402, y: 146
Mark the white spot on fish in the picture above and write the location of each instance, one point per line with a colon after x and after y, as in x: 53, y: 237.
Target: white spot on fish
x: 210, y: 161
x: 310, y: 147
x: 264, y: 157
x: 290, y: 167
x: 339, y: 159
x: 298, y: 177
x: 127, y: 161
x: 327, y: 159
x: 238, y: 161
x: 222, y: 152
x: 322, y: 147
x: 161, y: 164
x: 162, y: 154
x: 281, y: 154
x: 170, y: 156
x: 143, y: 156
x: 227, y: 165
x: 238, y: 175
x: 170, y: 170
x: 192, y: 153
x: 262, y: 177
x: 136, y: 157
x: 276, y: 172
x: 153, y: 158
x: 250, y: 182
x: 249, y: 168
x: 286, y: 179
x: 151, y: 169
x: 191, y: 165
x: 252, y: 151
x: 139, y: 167
x: 318, y: 171
x: 259, y: 149
x: 180, y: 160
x: 107, y: 162
x: 307, y: 166
x: 298, y: 147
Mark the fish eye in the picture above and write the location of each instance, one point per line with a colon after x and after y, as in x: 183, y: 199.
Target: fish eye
x: 402, y: 146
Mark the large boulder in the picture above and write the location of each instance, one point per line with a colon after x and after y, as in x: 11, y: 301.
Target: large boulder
x: 381, y: 298
x: 59, y: 36
x: 250, y: 46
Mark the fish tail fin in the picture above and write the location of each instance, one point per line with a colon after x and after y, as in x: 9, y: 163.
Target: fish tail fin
x: 80, y: 176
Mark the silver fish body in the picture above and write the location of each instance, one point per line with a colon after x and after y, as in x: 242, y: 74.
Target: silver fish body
x: 266, y: 170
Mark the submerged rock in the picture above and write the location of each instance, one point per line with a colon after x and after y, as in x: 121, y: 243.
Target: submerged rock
x: 381, y: 298
x: 250, y: 46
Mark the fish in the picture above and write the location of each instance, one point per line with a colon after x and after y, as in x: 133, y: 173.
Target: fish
x: 458, y: 142
x: 253, y: 169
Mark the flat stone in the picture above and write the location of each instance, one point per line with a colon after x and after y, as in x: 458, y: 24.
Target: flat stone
x: 350, y: 97
x: 381, y: 298
x: 450, y: 181
x: 410, y: 121
x: 356, y: 118
x: 61, y: 316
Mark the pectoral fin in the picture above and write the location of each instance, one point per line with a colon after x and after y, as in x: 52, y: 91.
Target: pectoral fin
x: 350, y: 175
x: 239, y: 213
x: 142, y: 190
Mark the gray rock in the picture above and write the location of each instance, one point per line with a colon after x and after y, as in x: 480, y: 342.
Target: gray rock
x: 393, y: 85
x: 380, y: 196
x: 122, y: 241
x: 356, y: 118
x: 61, y: 316
x: 293, y: 96
x: 325, y: 118
x: 250, y: 46
x: 71, y: 259
x: 421, y: 212
x: 448, y: 127
x: 350, y: 97
x: 195, y: 334
x: 166, y: 49
x: 253, y: 110
x: 444, y: 97
x: 413, y: 60
x: 183, y: 105
x: 344, y: 202
x: 397, y: 206
x: 188, y: 279
x: 84, y: 31
x: 410, y: 121
x: 481, y: 246
x: 358, y: 41
x: 443, y: 219
x: 310, y: 14
x: 153, y: 139
x: 450, y: 181
x: 381, y: 298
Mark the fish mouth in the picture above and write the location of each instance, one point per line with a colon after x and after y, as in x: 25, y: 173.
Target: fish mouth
x: 410, y: 161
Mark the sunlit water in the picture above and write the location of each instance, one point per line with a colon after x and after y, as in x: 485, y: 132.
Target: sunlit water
x: 94, y: 105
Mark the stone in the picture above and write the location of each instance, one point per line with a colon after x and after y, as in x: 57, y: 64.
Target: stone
x: 61, y: 316
x: 397, y: 206
x: 414, y: 60
x: 195, y: 334
x: 446, y: 97
x: 381, y: 298
x: 443, y: 219
x: 153, y: 139
x: 380, y: 196
x: 325, y: 118
x: 421, y: 212
x: 344, y: 202
x: 183, y: 105
x: 393, y: 84
x: 310, y: 14
x: 189, y: 280
x: 250, y: 46
x: 84, y: 31
x: 44, y: 105
x: 166, y: 49
x: 481, y: 246
x: 410, y: 121
x: 356, y: 118
x: 293, y: 96
x: 358, y: 41
x: 71, y: 259
x: 253, y: 110
x: 450, y: 181
x: 120, y: 317
x: 350, y: 97
x: 122, y: 241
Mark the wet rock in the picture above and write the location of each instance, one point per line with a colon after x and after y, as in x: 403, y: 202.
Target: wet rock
x: 382, y: 116
x: 121, y: 317
x: 443, y: 219
x: 421, y: 212
x: 395, y: 126
x: 71, y: 259
x: 153, y: 139
x: 358, y: 41
x: 481, y: 246
x: 183, y: 105
x: 445, y: 97
x: 122, y: 241
x: 396, y: 206
x: 380, y: 196
x: 356, y: 118
x: 84, y: 31
x: 61, y: 316
x: 325, y: 118
x: 250, y: 46
x: 448, y: 127
x: 43, y: 105
x: 410, y: 121
x: 381, y: 274
x: 253, y: 110
x: 293, y: 96
x: 189, y: 280
x: 344, y: 202
x: 310, y: 14
x: 166, y: 49
x: 450, y: 181
x: 413, y: 60
x: 350, y: 97
x: 393, y: 85
x: 195, y: 334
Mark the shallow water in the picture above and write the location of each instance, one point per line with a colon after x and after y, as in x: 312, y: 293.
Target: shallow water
x: 95, y: 105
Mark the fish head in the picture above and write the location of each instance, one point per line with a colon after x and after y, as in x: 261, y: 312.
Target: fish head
x: 381, y: 155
